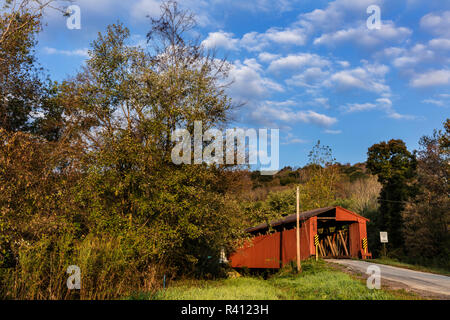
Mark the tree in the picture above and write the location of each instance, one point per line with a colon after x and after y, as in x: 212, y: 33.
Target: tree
x: 96, y: 187
x: 26, y: 96
x: 427, y: 217
x: 395, y: 167
x: 319, y: 190
x: 129, y: 101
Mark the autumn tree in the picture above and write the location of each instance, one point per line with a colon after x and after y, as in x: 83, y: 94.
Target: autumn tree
x: 395, y: 168
x: 97, y: 186
x: 427, y: 217
x: 27, y: 96
x: 320, y: 190
x: 130, y: 100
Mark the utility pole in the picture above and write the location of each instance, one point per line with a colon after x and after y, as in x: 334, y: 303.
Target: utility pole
x: 299, y: 266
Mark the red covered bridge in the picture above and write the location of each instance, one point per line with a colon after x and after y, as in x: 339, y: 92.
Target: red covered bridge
x: 342, y: 233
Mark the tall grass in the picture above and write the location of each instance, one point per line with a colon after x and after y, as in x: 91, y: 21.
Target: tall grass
x: 111, y: 268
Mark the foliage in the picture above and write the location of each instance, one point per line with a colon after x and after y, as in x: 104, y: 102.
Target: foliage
x: 395, y: 168
x: 427, y: 217
x: 86, y: 175
x: 110, y: 268
x: 323, y: 176
x: 26, y: 96
x: 91, y: 182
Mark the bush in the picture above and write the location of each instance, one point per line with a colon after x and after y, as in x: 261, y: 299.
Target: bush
x: 111, y: 268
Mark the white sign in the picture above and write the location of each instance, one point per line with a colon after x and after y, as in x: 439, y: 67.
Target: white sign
x: 383, y: 237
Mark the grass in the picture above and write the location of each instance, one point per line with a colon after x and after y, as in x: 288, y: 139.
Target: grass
x: 318, y: 281
x: 396, y: 263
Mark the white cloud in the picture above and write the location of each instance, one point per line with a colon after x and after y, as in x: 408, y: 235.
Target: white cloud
x: 75, y: 52
x: 221, y: 39
x: 255, y: 41
x: 437, y: 23
x: 267, y: 57
x: 356, y: 107
x: 419, y: 53
x: 382, y: 104
x: 260, y: 5
x: 344, y: 64
x: 291, y: 139
x: 431, y: 78
x: 269, y: 114
x: 322, y: 102
x: 333, y: 131
x: 398, y: 116
x: 295, y: 62
x: 361, y: 35
x: 441, y: 100
x: 440, y: 44
x: 249, y: 82
x: 409, y: 57
x: 438, y: 103
x: 311, y: 77
x: 286, y: 36
x: 143, y: 8
x: 368, y: 77
x: 335, y: 15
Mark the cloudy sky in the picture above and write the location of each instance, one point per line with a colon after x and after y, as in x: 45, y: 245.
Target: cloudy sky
x: 311, y: 68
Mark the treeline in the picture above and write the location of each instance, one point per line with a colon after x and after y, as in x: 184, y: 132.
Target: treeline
x: 323, y: 182
x: 86, y: 176
x: 404, y: 193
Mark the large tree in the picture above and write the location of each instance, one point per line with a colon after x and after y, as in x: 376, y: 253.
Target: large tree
x: 427, y: 217
x: 395, y: 167
x: 130, y: 99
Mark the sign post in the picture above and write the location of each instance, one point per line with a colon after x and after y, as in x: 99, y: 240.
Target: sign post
x: 364, y: 244
x: 299, y: 266
x: 384, y: 240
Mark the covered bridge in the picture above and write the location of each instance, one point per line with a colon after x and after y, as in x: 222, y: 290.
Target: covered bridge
x: 341, y: 233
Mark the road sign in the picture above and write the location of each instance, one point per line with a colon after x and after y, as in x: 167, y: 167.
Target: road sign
x: 316, y: 243
x: 364, y: 244
x: 383, y: 237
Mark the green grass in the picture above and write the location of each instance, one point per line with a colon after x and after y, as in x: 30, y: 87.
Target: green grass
x: 318, y: 281
x: 244, y: 288
x: 396, y: 263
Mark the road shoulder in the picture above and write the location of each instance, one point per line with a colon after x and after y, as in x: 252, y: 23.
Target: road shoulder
x: 388, y: 284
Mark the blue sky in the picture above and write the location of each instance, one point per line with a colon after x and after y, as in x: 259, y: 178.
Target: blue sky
x: 311, y: 68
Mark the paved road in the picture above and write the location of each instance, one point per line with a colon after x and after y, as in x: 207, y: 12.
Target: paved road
x: 433, y: 283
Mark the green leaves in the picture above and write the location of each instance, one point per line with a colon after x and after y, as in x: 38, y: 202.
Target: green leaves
x: 395, y: 167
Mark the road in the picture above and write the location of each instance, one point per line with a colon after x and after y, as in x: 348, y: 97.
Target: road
x: 421, y: 281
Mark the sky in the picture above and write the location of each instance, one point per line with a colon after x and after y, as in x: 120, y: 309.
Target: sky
x: 315, y: 69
